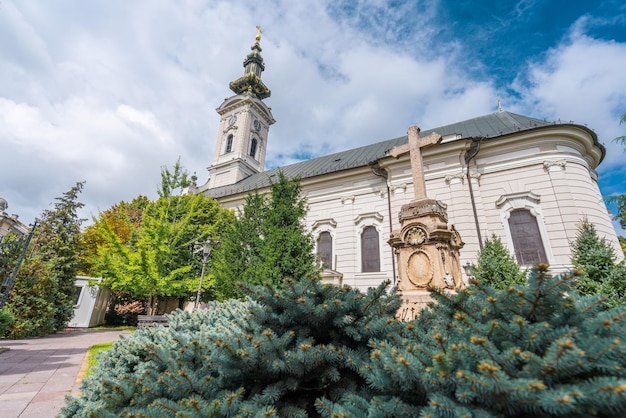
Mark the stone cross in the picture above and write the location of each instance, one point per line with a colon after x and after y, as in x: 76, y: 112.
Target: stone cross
x: 414, y: 147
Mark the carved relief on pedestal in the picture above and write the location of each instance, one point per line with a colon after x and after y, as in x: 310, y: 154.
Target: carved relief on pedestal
x: 420, y: 269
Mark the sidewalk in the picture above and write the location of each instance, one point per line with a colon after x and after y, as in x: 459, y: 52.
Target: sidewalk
x: 36, y: 374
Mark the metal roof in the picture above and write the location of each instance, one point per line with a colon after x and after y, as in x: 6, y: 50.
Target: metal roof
x: 488, y: 126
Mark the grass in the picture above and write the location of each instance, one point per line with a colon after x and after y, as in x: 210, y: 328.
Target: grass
x: 92, y: 354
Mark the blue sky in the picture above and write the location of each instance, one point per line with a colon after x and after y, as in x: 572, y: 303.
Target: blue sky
x: 108, y: 91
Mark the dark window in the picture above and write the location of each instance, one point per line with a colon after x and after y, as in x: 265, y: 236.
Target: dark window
x: 229, y: 144
x: 370, y: 254
x: 77, y: 291
x: 526, y: 238
x: 325, y: 249
x: 253, y: 147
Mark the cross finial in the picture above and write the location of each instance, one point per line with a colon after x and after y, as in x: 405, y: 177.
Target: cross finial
x: 258, y: 33
x: 414, y: 148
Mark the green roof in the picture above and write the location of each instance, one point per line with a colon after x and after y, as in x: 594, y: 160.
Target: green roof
x: 488, y: 126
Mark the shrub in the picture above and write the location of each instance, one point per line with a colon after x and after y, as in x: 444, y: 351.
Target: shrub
x: 6, y: 320
x: 536, y: 351
x: 271, y: 355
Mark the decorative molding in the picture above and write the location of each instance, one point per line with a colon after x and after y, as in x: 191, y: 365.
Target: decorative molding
x: 350, y: 198
x: 476, y: 176
x: 522, y: 197
x: 330, y: 221
x: 455, y: 178
x: 370, y: 215
x: 552, y: 165
x: 401, y: 186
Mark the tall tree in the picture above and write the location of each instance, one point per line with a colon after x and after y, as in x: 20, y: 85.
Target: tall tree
x: 267, y: 243
x: 155, y: 259
x: 46, y: 284
x: 596, y: 259
x: 123, y: 219
x: 496, y: 266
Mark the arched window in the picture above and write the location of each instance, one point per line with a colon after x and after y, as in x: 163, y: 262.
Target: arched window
x: 526, y: 238
x: 253, y: 147
x: 325, y: 249
x: 229, y: 144
x: 370, y: 251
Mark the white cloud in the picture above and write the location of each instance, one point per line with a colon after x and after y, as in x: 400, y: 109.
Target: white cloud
x: 582, y: 80
x: 108, y: 92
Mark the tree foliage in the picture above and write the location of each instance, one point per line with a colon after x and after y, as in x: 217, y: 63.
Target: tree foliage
x: 537, y: 351
x: 596, y: 259
x: 496, y: 266
x: 268, y: 242
x: 42, y: 300
x: 122, y: 219
x: 308, y: 349
x: 274, y: 354
x: 150, y: 256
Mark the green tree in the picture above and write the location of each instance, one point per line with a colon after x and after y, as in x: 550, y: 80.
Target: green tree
x: 122, y: 219
x: 271, y: 355
x: 155, y: 260
x: 308, y: 349
x: 42, y: 300
x: 496, y: 267
x: 596, y: 259
x: 538, y: 350
x: 267, y: 243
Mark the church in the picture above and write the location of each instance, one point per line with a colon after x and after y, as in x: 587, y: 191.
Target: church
x: 528, y: 181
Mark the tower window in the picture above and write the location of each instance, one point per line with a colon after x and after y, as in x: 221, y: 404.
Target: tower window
x: 253, y: 145
x: 526, y: 238
x: 325, y: 249
x: 229, y: 144
x: 370, y: 251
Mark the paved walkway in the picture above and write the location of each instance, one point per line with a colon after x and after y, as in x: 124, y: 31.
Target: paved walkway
x: 36, y: 374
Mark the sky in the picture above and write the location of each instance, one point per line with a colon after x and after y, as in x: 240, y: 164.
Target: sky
x: 110, y: 91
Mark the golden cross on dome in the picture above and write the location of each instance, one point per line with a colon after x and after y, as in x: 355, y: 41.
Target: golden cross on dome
x: 258, y: 34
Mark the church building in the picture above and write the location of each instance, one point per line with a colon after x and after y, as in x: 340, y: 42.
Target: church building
x: 528, y: 181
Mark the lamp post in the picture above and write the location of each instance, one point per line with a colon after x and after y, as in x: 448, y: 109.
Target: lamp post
x: 205, y: 247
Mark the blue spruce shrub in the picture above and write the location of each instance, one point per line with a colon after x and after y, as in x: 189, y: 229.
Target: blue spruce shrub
x: 273, y: 354
x: 525, y: 351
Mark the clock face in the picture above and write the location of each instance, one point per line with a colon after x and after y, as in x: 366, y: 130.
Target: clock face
x: 232, y: 120
x: 257, y: 125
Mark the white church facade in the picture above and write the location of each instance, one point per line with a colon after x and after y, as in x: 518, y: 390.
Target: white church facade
x: 528, y: 181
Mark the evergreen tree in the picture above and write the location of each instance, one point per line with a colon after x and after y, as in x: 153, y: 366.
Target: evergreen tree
x: 46, y: 287
x: 267, y: 243
x: 538, y: 350
x: 596, y: 258
x: 31, y: 302
x: 496, y: 267
x: 273, y: 354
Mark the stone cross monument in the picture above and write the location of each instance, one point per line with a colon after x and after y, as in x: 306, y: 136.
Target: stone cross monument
x: 426, y: 246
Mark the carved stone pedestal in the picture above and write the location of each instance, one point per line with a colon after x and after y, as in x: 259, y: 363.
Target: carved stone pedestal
x: 428, y: 254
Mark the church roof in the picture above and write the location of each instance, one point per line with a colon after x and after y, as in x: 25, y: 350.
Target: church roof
x: 487, y: 126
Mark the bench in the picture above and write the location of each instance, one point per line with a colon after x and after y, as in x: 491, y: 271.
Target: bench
x: 150, y: 320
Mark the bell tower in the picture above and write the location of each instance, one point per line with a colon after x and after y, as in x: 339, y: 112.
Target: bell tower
x: 244, y: 125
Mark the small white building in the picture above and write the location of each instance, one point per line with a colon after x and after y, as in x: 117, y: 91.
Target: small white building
x: 90, y: 303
